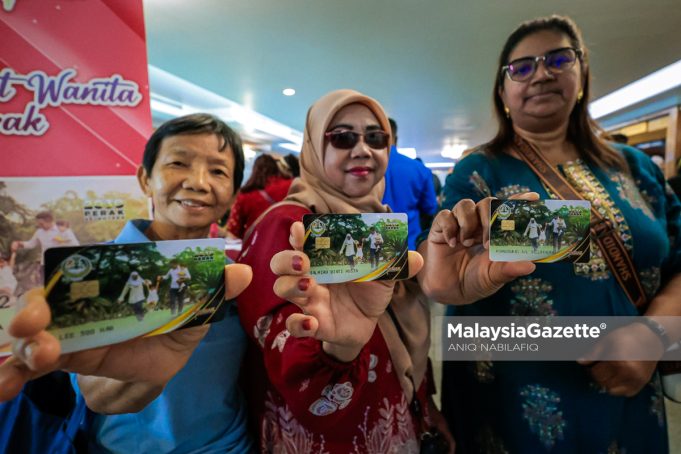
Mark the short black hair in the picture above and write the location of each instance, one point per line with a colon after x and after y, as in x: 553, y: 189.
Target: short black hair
x: 198, y: 123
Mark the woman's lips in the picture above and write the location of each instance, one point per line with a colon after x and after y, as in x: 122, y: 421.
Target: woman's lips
x: 192, y: 205
x: 360, y: 171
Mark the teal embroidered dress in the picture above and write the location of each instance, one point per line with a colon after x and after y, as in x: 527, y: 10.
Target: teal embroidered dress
x: 556, y: 407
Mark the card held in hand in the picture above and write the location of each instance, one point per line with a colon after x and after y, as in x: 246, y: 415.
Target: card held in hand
x: 105, y: 294
x: 543, y: 231
x: 356, y: 247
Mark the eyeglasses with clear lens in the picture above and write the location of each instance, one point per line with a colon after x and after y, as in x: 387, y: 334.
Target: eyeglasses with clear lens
x: 555, y: 62
x: 345, y: 139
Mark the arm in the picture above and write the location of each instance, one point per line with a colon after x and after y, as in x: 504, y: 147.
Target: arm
x: 125, y: 291
x: 30, y: 244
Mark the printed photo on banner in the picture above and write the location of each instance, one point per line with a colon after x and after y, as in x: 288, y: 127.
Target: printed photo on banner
x: 544, y: 231
x: 356, y: 247
x: 40, y: 213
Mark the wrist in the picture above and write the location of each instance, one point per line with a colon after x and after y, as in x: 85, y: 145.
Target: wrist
x: 657, y: 329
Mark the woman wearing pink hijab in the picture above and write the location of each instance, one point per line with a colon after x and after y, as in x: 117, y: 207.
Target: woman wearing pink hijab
x: 344, y: 367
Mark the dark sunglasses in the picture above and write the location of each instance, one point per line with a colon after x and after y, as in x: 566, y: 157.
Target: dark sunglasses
x: 555, y: 62
x: 345, y: 140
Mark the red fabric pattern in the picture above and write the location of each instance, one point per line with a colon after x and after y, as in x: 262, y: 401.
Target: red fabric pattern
x: 302, y: 399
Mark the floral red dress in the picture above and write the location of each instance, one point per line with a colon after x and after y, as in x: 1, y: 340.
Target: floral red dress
x: 302, y: 400
x: 249, y: 205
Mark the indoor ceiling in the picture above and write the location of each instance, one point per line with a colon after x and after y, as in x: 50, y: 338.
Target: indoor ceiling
x: 431, y: 63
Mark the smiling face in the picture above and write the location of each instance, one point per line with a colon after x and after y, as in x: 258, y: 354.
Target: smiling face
x: 357, y: 170
x: 190, y: 184
x: 545, y: 101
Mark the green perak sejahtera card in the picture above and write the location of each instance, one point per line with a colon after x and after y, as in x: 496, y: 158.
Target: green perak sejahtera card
x: 543, y: 231
x: 105, y: 294
x: 356, y: 247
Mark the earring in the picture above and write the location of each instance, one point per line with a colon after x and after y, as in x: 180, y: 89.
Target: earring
x: 508, y: 112
x: 580, y: 95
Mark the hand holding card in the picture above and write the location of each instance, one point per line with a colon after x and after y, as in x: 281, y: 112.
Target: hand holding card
x: 457, y: 267
x: 343, y: 316
x: 153, y: 360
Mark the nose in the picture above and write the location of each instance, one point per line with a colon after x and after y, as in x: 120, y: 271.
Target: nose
x: 361, y: 149
x: 542, y: 72
x: 197, y: 179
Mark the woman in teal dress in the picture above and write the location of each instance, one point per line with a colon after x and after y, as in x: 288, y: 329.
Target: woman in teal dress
x: 556, y: 407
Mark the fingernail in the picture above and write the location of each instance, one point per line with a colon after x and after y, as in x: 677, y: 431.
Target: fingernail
x: 469, y: 242
x: 28, y: 350
x: 303, y: 284
x: 307, y: 326
x: 297, y: 263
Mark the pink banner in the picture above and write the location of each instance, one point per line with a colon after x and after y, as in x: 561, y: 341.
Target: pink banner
x: 74, y: 92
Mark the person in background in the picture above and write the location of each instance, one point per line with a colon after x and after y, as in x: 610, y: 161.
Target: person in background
x: 134, y: 290
x: 675, y: 181
x: 409, y: 189
x: 620, y: 138
x: 541, y: 98
x: 66, y: 236
x: 268, y: 184
x: 44, y: 236
x: 334, y: 368
x: 293, y: 164
x: 175, y: 392
x: 8, y: 283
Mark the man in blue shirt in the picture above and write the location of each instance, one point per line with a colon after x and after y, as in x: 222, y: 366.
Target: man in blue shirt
x: 409, y: 188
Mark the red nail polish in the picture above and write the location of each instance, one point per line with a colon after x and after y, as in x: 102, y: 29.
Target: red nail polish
x: 307, y: 325
x: 297, y: 263
x: 303, y: 284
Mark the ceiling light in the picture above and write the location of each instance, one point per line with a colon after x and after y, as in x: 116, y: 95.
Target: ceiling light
x: 408, y: 152
x: 453, y: 150
x: 290, y: 146
x: 439, y: 165
x: 289, y: 92
x: 644, y: 88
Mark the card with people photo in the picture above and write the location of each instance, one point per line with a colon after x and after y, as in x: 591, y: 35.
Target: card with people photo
x: 543, y: 231
x: 105, y: 294
x: 356, y: 247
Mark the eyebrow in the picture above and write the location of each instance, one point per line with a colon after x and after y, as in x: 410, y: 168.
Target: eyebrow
x: 345, y: 126
x: 535, y: 56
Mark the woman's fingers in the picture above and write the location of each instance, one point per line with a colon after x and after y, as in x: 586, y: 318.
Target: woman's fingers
x: 40, y: 352
x: 531, y: 196
x: 290, y: 263
x: 484, y: 209
x: 237, y: 277
x: 415, y: 261
x: 293, y: 288
x: 501, y: 273
x: 466, y: 216
x: 34, y: 317
x: 297, y: 236
x: 301, y: 325
x: 444, y: 229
